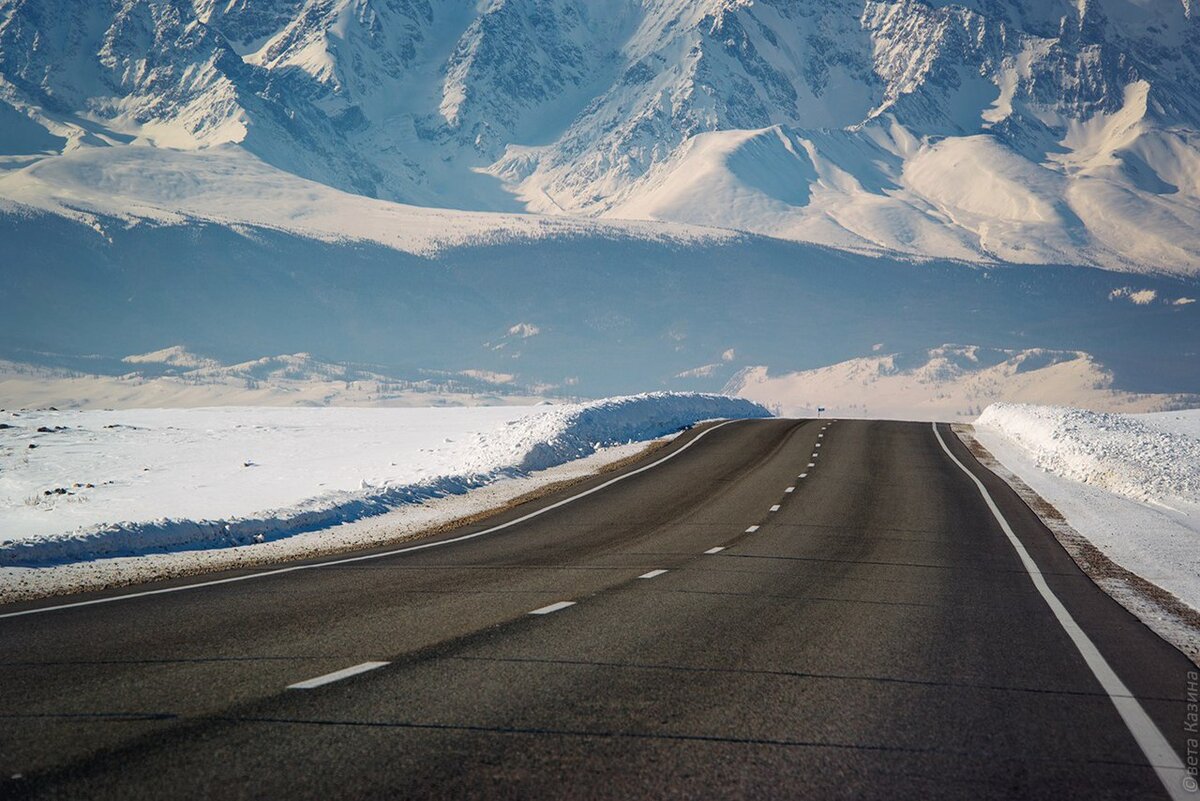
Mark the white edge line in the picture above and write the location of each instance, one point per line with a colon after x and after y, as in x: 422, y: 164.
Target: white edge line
x: 368, y: 557
x: 652, y: 574
x: 1154, y: 745
x: 554, y: 607
x: 717, y: 549
x: 337, y: 675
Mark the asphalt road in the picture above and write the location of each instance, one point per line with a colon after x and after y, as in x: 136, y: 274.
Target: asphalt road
x: 877, y: 635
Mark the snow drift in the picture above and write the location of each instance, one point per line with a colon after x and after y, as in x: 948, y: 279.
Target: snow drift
x: 535, y: 441
x: 1124, y: 455
x: 1129, y: 484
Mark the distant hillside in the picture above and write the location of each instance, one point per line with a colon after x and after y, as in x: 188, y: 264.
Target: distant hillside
x: 948, y: 383
x: 174, y: 378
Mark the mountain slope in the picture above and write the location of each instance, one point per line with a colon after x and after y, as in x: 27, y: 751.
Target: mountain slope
x: 946, y: 383
x: 1034, y: 131
x: 589, y: 312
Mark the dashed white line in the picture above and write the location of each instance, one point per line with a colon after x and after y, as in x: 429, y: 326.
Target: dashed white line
x: 790, y: 489
x: 818, y: 444
x: 545, y: 610
x: 775, y: 508
x: 718, y: 549
x: 812, y: 464
x: 1161, y: 756
x: 814, y: 456
x: 337, y: 675
x: 652, y: 574
x: 804, y: 475
x: 752, y: 529
x: 819, y: 436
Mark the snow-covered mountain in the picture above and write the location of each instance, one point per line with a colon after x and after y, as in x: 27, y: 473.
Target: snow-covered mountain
x: 1039, y: 131
x: 947, y: 383
x: 174, y: 377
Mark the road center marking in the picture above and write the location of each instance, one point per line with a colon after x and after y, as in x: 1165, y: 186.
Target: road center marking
x: 718, y: 549
x: 752, y: 529
x: 1161, y: 756
x: 652, y: 574
x: 554, y: 607
x: 337, y: 675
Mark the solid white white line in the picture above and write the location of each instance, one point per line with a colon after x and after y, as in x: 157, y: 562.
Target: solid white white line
x: 752, y: 529
x: 554, y: 607
x: 790, y: 489
x: 1158, y: 751
x: 367, y: 557
x: 652, y: 574
x: 337, y: 675
x: 718, y: 549
x: 775, y: 508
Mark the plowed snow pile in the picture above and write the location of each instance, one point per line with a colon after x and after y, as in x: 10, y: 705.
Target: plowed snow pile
x: 83, y: 485
x: 1129, y: 483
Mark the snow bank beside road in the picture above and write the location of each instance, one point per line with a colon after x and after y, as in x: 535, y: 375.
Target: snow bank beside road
x: 1130, y: 484
x: 85, y: 485
x: 1120, y: 453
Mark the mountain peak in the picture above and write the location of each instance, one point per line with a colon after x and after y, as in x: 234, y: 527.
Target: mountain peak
x: 1010, y: 130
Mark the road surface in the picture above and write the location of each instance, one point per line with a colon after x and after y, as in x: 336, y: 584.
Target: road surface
x: 766, y: 609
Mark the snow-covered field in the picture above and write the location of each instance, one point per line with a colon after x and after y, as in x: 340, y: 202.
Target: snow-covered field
x: 84, y: 485
x: 1128, y: 483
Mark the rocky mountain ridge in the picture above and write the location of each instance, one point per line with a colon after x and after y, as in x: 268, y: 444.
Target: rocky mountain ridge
x: 1042, y: 131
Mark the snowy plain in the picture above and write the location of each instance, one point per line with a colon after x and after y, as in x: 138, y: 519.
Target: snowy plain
x: 1128, y: 483
x: 98, y: 486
